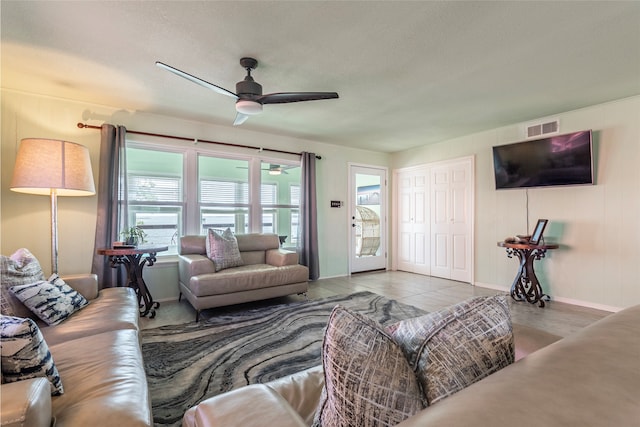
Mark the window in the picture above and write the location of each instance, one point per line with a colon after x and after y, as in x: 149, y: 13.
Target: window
x: 155, y: 196
x: 280, y: 201
x: 176, y: 190
x: 223, y: 194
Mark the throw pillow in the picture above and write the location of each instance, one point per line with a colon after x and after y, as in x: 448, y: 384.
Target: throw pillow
x: 25, y: 354
x: 222, y: 249
x: 457, y: 346
x: 18, y: 269
x: 52, y: 301
x: 368, y: 381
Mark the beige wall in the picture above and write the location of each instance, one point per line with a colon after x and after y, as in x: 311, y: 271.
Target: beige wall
x: 25, y: 219
x: 598, y: 226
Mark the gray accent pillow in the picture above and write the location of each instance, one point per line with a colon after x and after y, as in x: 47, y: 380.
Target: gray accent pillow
x: 457, y: 346
x: 20, y: 268
x: 368, y: 381
x: 25, y: 354
x: 53, y: 301
x: 222, y: 249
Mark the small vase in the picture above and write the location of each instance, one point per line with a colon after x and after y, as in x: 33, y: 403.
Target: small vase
x: 132, y: 240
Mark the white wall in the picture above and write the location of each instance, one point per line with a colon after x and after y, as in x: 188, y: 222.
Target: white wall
x: 25, y: 219
x: 598, y: 227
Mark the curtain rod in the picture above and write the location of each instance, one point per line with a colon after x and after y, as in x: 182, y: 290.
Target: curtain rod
x: 183, y: 138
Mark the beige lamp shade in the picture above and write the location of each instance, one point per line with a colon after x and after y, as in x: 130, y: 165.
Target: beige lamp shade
x: 43, y: 165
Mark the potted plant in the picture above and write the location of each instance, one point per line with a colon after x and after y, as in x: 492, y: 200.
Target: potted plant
x: 133, y: 235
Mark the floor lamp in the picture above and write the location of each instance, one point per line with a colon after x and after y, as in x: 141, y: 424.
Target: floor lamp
x: 53, y: 168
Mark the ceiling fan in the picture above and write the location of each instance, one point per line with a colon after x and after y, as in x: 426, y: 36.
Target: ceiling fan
x: 249, y: 97
x: 274, y: 169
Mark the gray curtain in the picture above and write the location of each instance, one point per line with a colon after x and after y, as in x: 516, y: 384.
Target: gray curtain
x: 308, y: 216
x: 112, y: 206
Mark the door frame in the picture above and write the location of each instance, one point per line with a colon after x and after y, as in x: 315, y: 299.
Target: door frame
x: 384, y: 221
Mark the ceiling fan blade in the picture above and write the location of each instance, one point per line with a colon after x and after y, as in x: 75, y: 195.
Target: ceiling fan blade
x: 197, y: 80
x: 284, y: 97
x: 240, y: 119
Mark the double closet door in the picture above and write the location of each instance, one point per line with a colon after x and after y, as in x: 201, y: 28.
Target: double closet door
x: 434, y: 227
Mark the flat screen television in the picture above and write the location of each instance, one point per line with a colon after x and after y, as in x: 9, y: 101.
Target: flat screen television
x: 551, y: 161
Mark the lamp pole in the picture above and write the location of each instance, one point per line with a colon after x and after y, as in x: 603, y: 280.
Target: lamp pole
x: 54, y: 231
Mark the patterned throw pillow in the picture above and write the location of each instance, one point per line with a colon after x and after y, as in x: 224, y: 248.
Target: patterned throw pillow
x: 51, y: 300
x: 18, y: 269
x: 368, y: 381
x: 457, y: 346
x: 25, y: 354
x: 222, y: 249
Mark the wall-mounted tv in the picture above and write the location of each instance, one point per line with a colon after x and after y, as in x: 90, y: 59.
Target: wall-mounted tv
x: 555, y: 160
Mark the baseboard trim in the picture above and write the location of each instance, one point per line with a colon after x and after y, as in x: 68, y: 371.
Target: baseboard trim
x: 168, y: 299
x: 564, y: 300
x: 491, y: 286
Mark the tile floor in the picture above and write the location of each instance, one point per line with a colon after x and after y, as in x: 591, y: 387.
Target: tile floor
x: 426, y: 292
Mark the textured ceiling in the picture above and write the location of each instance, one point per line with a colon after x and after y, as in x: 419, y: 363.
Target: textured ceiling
x: 408, y: 73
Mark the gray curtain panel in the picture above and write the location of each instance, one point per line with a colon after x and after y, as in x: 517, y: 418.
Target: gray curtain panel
x: 309, y: 227
x: 112, y: 203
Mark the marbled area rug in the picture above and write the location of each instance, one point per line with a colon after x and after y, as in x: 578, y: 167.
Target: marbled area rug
x: 188, y: 363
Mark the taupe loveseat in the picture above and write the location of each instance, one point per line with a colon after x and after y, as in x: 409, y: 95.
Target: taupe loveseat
x: 268, y: 272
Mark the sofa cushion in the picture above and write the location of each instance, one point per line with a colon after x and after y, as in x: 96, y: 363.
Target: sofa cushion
x: 105, y: 382
x: 247, y: 278
x: 222, y: 249
x: 25, y: 354
x: 302, y: 391
x: 51, y: 300
x: 367, y: 378
x: 457, y: 346
x: 255, y: 405
x: 257, y: 242
x: 20, y: 268
x: 113, y: 309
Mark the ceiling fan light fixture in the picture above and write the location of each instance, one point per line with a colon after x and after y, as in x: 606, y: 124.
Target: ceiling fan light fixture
x: 275, y: 169
x: 248, y: 107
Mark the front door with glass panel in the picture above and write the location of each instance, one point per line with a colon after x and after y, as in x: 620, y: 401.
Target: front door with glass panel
x: 367, y: 204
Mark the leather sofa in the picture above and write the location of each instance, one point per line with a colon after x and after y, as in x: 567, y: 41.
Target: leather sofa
x: 591, y: 378
x: 98, y: 356
x: 268, y: 272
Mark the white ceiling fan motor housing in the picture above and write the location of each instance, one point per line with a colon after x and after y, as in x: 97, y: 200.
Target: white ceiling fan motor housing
x: 248, y: 107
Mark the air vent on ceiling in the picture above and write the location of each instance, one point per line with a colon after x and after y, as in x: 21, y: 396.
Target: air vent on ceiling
x: 540, y: 129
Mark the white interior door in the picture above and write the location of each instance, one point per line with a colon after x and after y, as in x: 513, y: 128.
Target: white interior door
x: 413, y: 221
x: 368, y: 216
x: 452, y: 220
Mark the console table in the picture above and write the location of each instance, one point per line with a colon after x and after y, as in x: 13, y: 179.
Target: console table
x: 134, y: 260
x: 526, y: 286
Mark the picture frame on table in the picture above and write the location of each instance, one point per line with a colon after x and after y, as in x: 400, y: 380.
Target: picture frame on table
x: 536, y: 236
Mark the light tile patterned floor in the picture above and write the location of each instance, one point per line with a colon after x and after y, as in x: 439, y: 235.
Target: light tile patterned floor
x: 426, y: 292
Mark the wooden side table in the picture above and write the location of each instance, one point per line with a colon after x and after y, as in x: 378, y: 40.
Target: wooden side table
x: 134, y: 260
x: 526, y: 286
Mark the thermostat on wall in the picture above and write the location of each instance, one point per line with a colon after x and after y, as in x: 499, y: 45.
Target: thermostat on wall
x: 336, y: 204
